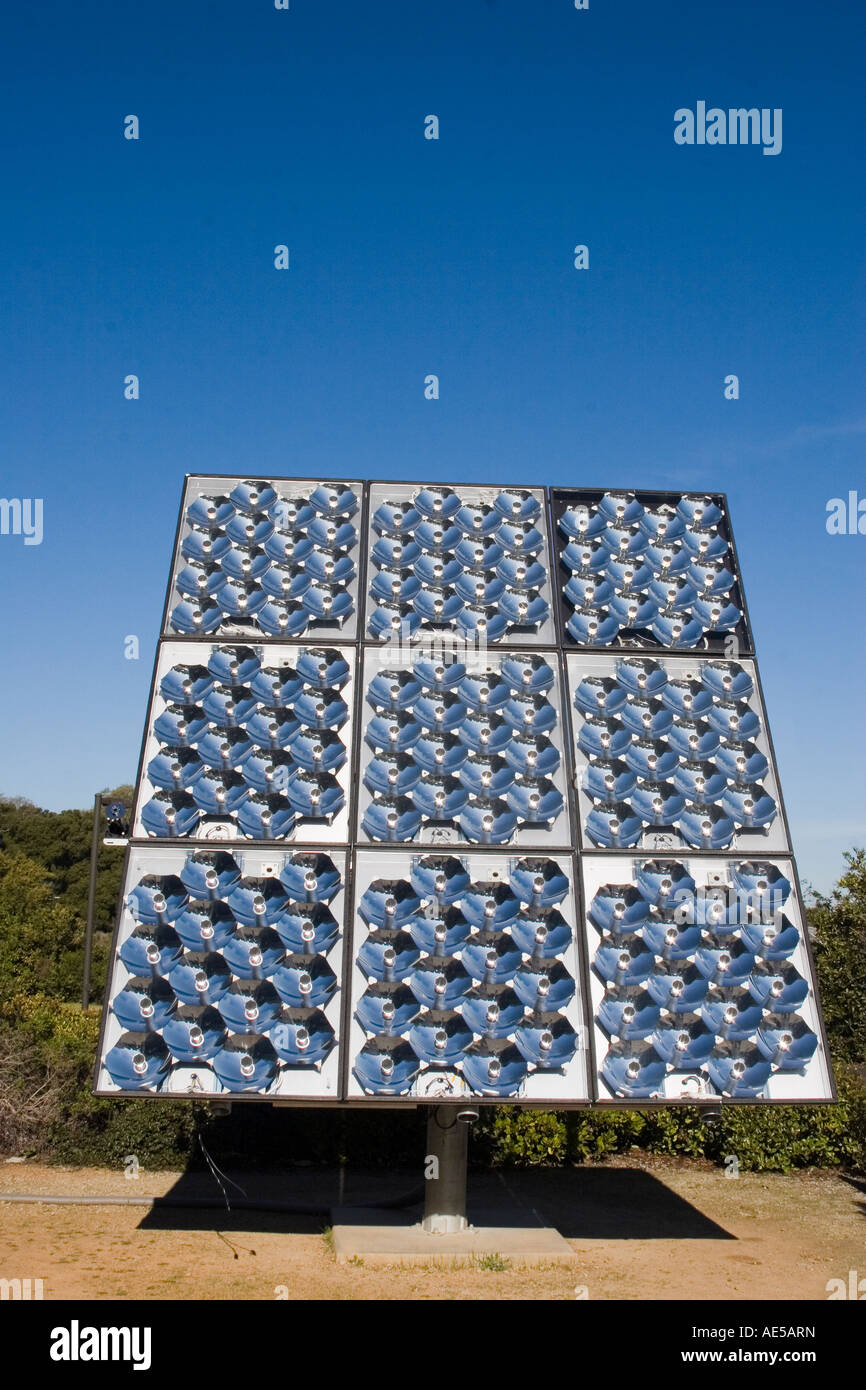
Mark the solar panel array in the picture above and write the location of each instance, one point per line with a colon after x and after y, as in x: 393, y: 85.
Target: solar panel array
x: 458, y: 791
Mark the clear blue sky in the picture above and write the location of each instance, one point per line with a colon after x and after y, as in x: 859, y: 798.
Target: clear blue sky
x: 408, y: 257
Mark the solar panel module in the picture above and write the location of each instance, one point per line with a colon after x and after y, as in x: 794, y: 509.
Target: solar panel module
x: 246, y: 743
x: 268, y: 559
x: 701, y: 982
x: 648, y: 570
x: 458, y: 791
x: 676, y: 748
x: 465, y: 978
x: 226, y: 973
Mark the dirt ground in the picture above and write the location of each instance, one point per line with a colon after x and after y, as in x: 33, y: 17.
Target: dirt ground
x: 642, y: 1227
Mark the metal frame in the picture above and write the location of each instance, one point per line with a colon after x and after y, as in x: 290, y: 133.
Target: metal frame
x: 373, y: 862
x: 554, y: 499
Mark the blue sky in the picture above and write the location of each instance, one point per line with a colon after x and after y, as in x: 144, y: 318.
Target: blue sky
x: 408, y: 257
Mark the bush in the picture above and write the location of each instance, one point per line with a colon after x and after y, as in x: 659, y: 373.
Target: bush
x: 509, y: 1135
x: 97, y: 1132
x: 47, y: 1049
x: 60, y: 842
x: 796, y: 1136
x: 36, y: 931
x: 762, y: 1137
x: 839, y: 924
x: 597, y: 1133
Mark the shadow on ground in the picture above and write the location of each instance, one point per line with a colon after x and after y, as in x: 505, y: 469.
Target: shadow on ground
x: 581, y: 1203
x: 859, y: 1185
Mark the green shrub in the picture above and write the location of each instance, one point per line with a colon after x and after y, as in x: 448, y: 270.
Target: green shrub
x: 36, y: 931
x: 46, y: 1062
x: 762, y: 1137
x: 509, y: 1135
x: 595, y: 1134
x: 796, y: 1136
x: 98, y: 1132
x: 839, y: 923
x: 47, y: 1049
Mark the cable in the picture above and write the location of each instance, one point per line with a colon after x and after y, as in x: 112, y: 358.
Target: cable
x: 438, y: 1123
x: 217, y: 1172
x: 196, y: 1203
x: 409, y: 1199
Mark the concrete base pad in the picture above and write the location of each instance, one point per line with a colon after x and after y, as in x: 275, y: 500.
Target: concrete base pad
x: 392, y: 1238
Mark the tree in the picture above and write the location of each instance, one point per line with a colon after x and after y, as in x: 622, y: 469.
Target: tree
x: 60, y: 840
x: 37, y: 933
x: 839, y: 923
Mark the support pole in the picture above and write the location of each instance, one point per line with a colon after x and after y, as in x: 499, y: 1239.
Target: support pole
x: 91, y: 901
x: 445, y: 1170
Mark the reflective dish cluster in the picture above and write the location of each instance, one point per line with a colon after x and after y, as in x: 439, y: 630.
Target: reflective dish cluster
x: 641, y: 575
x: 248, y: 740
x: 447, y: 791
x: 699, y: 980
x: 275, y: 562
x: 449, y: 561
x: 665, y: 746
x: 471, y: 749
x: 464, y: 975
x: 227, y: 974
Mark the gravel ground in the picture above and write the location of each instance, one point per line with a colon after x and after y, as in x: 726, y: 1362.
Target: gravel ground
x: 643, y: 1228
